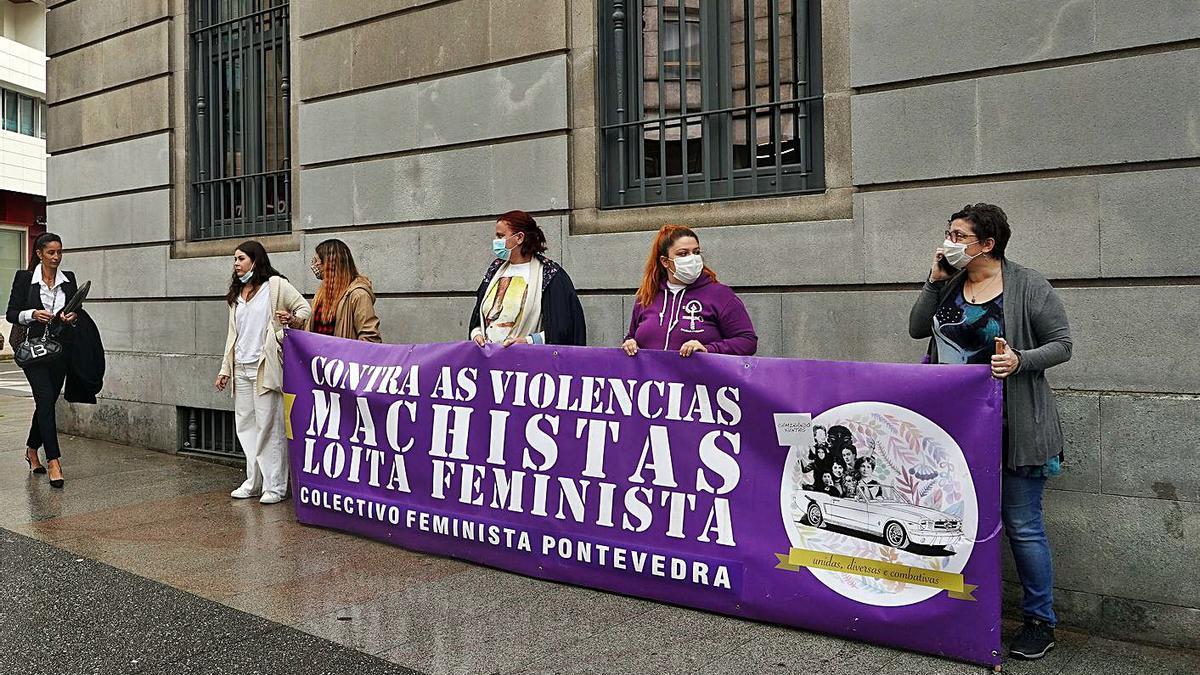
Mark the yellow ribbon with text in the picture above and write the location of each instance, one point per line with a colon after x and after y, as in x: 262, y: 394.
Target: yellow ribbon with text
x: 951, y: 582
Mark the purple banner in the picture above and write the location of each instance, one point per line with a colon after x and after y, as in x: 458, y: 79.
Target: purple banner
x: 858, y: 499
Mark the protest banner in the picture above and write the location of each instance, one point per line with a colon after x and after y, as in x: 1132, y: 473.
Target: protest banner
x: 857, y: 499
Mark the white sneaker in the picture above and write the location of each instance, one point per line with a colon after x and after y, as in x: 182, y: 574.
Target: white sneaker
x: 243, y: 493
x: 270, y: 498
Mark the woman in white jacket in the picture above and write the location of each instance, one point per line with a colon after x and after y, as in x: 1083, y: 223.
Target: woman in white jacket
x: 261, y: 304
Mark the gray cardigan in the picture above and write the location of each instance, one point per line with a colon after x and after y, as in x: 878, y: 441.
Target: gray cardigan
x: 1035, y: 325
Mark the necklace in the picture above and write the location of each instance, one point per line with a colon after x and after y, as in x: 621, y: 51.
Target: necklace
x: 975, y: 292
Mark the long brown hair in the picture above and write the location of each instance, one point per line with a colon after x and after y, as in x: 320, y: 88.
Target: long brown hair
x: 337, y: 273
x: 262, y: 270
x: 655, y: 275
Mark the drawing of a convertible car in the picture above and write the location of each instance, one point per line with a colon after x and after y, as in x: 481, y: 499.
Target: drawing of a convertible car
x: 880, y: 511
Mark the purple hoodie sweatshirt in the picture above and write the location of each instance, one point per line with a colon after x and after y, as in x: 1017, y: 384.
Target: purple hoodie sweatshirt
x: 706, y: 311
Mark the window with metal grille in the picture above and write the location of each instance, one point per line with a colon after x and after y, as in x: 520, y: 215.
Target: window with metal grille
x: 209, y: 432
x: 241, y: 131
x: 710, y: 99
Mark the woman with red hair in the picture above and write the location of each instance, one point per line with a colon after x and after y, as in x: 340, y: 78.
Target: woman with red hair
x: 525, y: 297
x: 681, y: 306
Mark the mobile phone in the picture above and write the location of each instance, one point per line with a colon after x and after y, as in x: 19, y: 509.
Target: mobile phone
x: 947, y: 267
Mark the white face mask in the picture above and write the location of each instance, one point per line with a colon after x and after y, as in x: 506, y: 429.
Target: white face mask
x: 688, y: 268
x: 956, y: 254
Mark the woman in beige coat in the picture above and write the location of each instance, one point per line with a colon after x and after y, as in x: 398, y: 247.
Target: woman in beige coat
x: 345, y: 302
x: 261, y: 304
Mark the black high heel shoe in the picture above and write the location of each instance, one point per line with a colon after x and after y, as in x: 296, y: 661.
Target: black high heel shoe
x: 39, y: 469
x: 56, y: 482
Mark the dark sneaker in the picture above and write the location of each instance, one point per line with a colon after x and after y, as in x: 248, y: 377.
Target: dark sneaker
x: 1035, y: 639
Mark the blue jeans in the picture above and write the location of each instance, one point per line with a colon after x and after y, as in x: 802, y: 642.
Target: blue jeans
x: 1021, y: 510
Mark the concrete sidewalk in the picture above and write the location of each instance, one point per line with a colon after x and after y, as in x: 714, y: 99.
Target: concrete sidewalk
x: 165, y: 519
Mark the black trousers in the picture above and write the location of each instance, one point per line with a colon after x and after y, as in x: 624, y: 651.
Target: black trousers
x: 46, y: 383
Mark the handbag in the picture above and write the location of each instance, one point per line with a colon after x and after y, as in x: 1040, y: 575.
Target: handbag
x: 44, y: 350
x: 16, y: 336
x: 38, y: 351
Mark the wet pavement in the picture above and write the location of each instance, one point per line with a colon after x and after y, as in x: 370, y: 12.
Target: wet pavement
x: 12, y: 381
x: 143, y: 564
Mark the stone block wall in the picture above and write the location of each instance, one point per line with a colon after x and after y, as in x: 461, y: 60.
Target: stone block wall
x: 1079, y: 119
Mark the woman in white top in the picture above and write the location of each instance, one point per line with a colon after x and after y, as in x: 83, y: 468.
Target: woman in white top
x: 525, y: 297
x: 261, y: 304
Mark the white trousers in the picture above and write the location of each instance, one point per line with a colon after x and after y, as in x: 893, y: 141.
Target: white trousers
x: 259, y: 422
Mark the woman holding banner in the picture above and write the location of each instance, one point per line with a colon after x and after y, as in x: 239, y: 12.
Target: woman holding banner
x: 978, y: 307
x: 525, y: 297
x: 344, y: 305
x: 261, y: 304
x: 681, y: 306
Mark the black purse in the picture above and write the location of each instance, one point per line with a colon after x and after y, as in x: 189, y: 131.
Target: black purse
x: 38, y: 351
x: 47, y: 349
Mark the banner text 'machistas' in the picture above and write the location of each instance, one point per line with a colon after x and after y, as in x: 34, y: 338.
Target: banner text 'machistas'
x: 537, y: 447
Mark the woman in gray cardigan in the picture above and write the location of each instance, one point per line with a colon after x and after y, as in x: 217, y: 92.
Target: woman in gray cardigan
x: 974, y: 295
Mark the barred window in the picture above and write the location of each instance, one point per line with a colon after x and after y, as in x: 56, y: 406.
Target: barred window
x: 241, y: 131
x: 709, y: 99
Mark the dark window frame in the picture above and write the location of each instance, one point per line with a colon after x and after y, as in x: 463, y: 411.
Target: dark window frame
x: 8, y: 104
x: 673, y: 67
x: 240, y: 114
x: 635, y: 173
x: 17, y: 110
x: 27, y: 117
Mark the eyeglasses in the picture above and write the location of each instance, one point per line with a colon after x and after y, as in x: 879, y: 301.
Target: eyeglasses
x: 959, y: 237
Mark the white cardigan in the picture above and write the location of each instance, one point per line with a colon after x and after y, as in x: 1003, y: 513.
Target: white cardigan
x: 270, y: 364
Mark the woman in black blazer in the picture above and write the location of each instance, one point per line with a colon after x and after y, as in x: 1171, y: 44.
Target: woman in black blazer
x: 37, y: 296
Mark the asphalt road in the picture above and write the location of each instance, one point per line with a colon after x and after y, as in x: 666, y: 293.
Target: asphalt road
x: 65, y: 614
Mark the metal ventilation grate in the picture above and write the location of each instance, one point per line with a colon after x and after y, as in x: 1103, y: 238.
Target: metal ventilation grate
x: 209, y: 432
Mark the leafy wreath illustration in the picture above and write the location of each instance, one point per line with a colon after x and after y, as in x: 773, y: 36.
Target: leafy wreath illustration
x: 915, y: 505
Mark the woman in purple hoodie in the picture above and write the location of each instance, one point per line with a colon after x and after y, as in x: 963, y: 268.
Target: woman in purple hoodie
x: 681, y: 307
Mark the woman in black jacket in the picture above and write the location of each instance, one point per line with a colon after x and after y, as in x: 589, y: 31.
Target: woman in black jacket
x: 525, y: 297
x: 37, y: 298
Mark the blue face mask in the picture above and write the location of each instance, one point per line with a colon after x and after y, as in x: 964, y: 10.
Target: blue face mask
x: 500, y: 250
x: 245, y: 278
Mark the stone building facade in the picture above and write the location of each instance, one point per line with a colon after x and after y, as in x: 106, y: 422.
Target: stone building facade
x: 413, y: 123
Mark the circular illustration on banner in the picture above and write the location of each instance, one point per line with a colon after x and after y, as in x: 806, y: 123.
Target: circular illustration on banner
x: 878, y: 482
